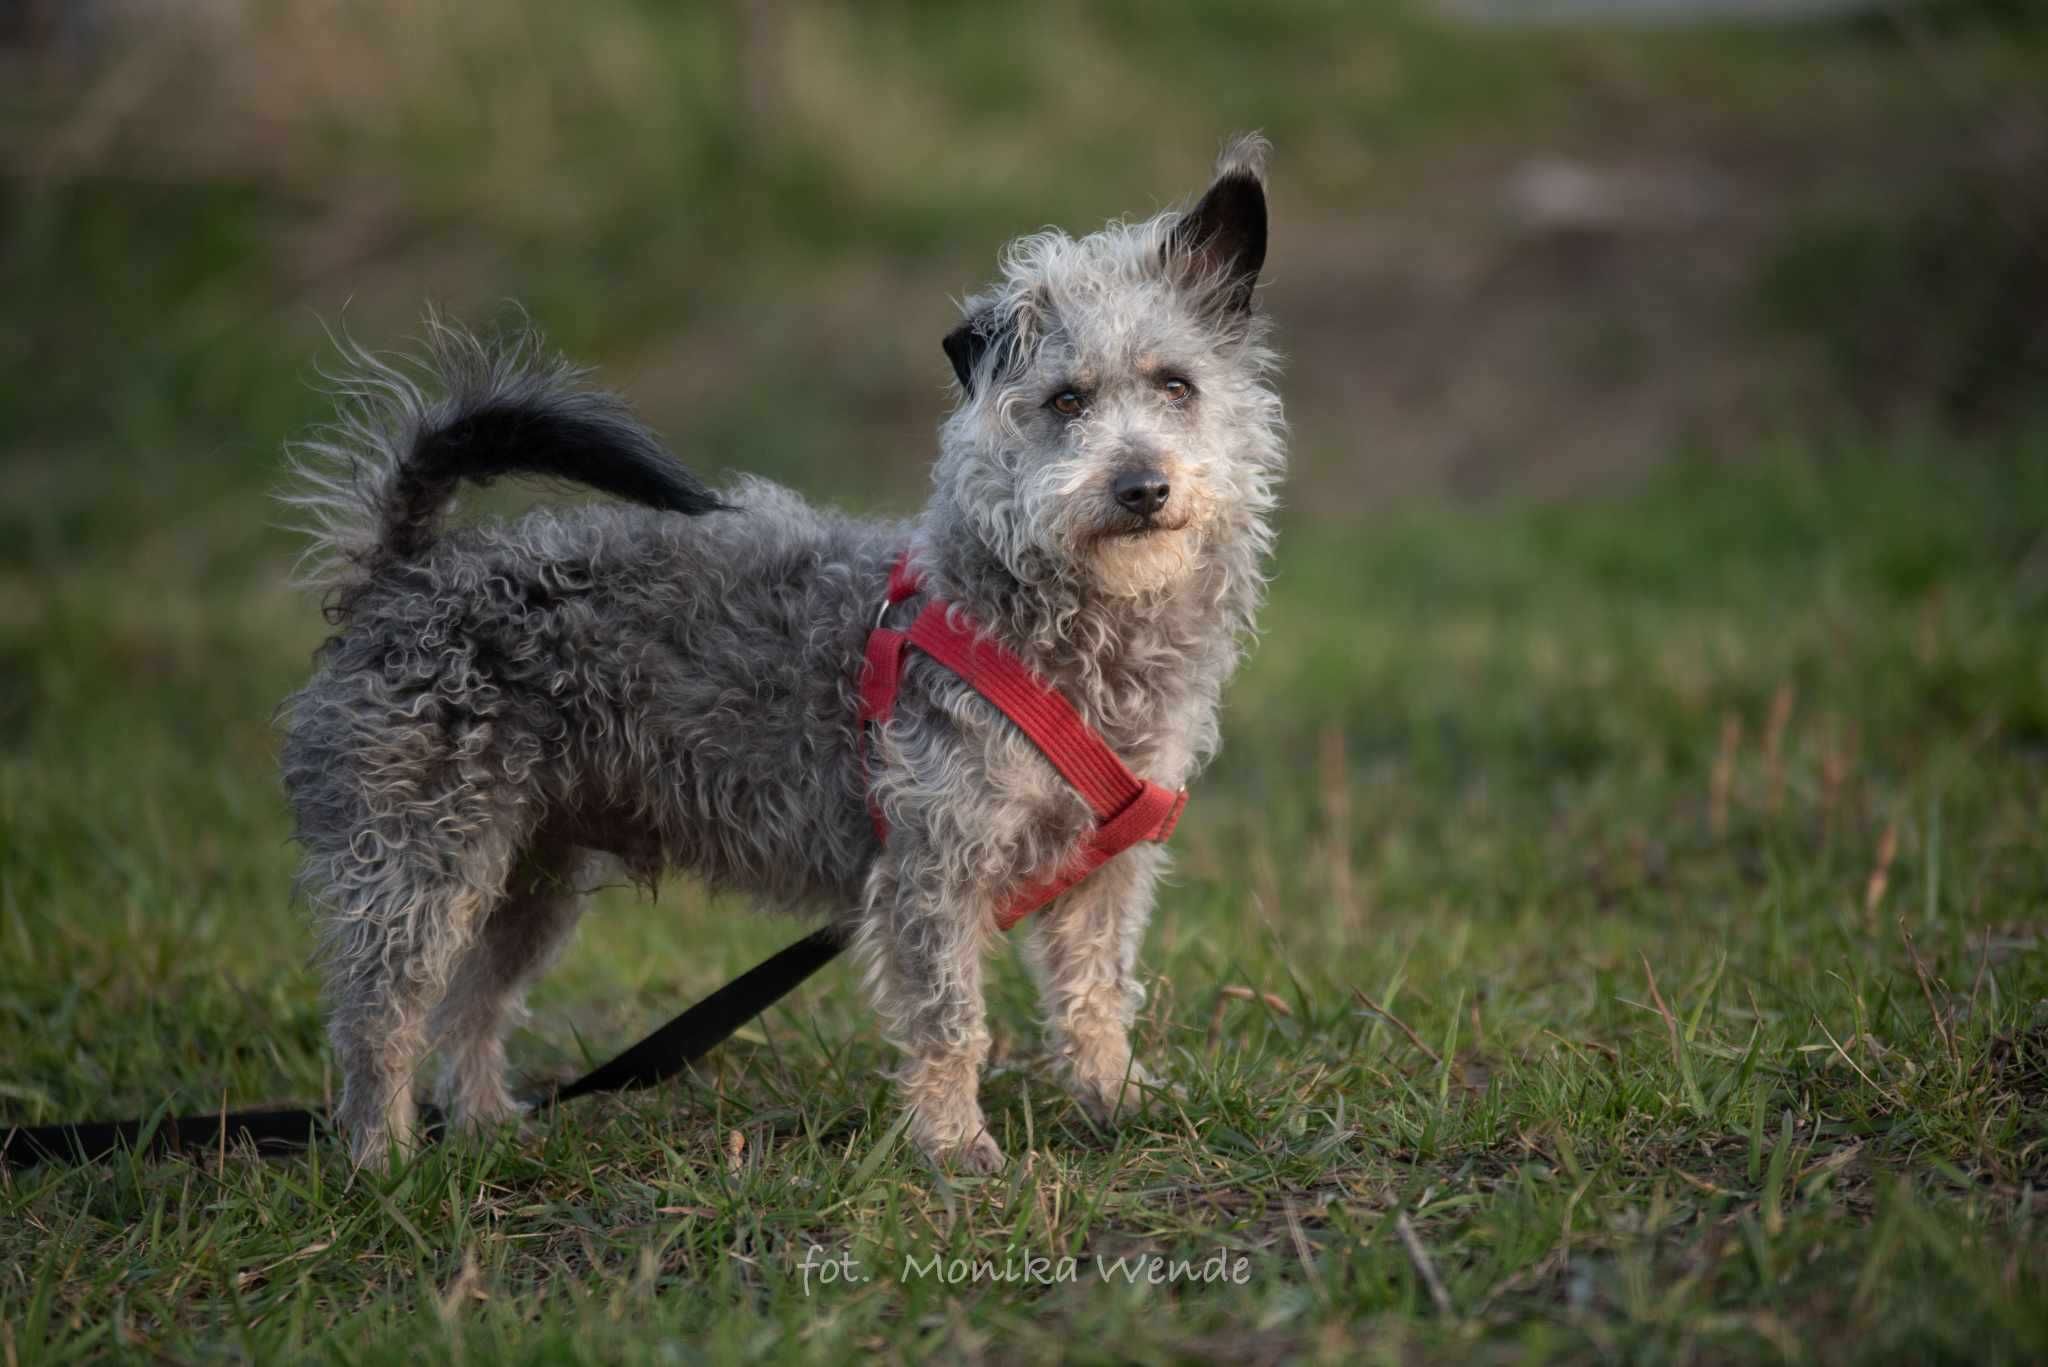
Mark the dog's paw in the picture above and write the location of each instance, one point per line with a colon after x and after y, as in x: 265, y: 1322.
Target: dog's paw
x: 980, y: 1155
x: 946, y: 1122
x: 1111, y: 1101
x: 497, y: 1116
x: 373, y: 1160
x: 380, y: 1153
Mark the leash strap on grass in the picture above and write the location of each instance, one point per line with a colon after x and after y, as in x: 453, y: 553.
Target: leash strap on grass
x: 660, y: 1056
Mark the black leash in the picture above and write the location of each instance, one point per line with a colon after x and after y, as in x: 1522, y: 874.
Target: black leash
x: 660, y: 1056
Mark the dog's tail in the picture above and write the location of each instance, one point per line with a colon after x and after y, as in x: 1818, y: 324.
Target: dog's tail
x: 377, y: 481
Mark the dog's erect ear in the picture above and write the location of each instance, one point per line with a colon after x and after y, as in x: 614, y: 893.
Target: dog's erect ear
x: 967, y: 344
x: 1221, y: 242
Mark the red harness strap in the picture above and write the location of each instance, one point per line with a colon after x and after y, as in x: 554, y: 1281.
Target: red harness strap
x: 1128, y: 809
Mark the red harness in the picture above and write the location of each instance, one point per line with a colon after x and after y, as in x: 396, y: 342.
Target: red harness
x: 1128, y: 809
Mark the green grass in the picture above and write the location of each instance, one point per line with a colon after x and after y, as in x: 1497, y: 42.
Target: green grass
x: 1471, y: 778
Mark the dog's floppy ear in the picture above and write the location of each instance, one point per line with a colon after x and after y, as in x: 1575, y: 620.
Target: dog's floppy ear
x: 983, y: 332
x: 1221, y: 242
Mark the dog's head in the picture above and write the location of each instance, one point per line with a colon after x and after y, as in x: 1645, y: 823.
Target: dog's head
x: 1117, y: 423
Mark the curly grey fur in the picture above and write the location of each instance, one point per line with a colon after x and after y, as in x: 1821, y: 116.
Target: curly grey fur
x: 501, y: 704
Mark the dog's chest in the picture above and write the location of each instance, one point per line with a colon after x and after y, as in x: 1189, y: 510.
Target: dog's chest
x: 1146, y: 708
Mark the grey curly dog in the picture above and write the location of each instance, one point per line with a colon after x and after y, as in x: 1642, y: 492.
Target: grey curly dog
x: 503, y: 709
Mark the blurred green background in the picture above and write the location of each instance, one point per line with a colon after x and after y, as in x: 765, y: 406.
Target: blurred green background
x: 1505, y: 258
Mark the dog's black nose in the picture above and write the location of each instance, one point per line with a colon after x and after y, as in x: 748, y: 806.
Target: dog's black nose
x: 1143, y: 492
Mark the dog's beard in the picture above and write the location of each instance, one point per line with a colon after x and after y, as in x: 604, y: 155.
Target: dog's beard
x: 1140, y: 559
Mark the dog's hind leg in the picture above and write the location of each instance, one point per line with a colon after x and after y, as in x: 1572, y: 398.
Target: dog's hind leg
x: 485, y: 994
x: 398, y: 916
x: 1083, y: 950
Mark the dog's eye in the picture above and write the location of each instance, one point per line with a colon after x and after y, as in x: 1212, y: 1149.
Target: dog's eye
x: 1176, y: 389
x: 1068, y: 403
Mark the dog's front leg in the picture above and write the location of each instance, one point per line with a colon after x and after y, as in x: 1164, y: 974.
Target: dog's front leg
x: 1084, y: 952
x: 924, y: 938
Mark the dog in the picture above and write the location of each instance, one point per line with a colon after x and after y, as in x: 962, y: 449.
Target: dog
x: 670, y: 682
